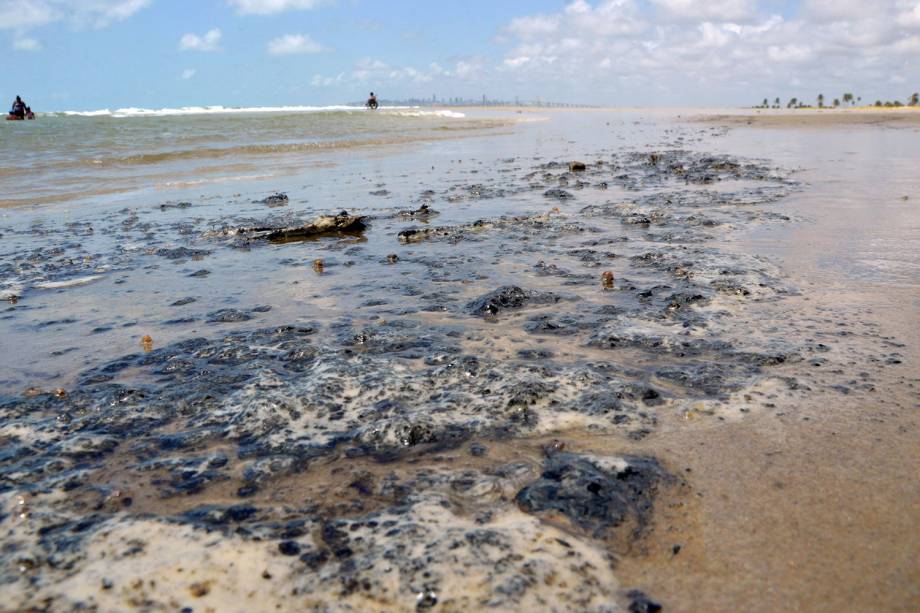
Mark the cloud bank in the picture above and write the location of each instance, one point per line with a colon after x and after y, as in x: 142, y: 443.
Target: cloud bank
x: 713, y: 48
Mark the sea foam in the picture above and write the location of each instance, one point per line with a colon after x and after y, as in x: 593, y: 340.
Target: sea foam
x: 122, y: 113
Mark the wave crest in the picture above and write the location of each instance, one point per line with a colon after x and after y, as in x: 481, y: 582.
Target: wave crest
x: 129, y: 112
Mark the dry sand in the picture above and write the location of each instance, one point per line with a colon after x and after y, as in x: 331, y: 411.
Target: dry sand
x: 815, y: 118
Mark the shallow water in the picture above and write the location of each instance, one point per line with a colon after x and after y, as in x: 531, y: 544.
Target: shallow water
x: 62, y: 157
x: 473, y: 422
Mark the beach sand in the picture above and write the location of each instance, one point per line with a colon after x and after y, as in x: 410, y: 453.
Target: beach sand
x: 818, y: 118
x: 814, y: 509
x: 452, y: 411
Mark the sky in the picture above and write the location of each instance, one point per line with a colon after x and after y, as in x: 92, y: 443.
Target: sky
x: 96, y: 54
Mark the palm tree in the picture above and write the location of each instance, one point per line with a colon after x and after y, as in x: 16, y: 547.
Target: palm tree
x: 792, y: 103
x: 766, y: 103
x: 848, y: 98
x: 836, y: 102
x: 914, y: 99
x: 776, y: 102
x: 820, y: 101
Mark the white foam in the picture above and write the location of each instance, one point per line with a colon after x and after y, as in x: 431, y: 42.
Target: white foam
x: 197, y: 182
x: 99, y: 113
x: 128, y: 112
x: 27, y: 433
x: 11, y: 291
x: 207, y: 110
x: 163, y: 564
x: 68, y: 283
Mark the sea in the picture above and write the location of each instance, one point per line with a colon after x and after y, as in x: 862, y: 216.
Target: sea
x: 97, y: 154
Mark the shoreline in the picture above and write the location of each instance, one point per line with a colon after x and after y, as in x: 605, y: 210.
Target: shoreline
x: 316, y: 423
x: 815, y: 118
x: 114, y: 169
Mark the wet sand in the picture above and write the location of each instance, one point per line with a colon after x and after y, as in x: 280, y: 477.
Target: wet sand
x: 816, y: 509
x: 479, y: 421
x: 812, y: 511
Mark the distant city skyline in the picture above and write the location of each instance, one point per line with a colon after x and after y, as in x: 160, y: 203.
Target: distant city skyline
x: 94, y: 54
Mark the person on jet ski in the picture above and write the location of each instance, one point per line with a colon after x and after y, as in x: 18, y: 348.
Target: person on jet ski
x: 372, y: 102
x: 19, y: 108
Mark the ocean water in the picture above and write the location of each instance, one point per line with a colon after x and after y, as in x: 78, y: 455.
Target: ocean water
x: 107, y: 217
x: 71, y: 155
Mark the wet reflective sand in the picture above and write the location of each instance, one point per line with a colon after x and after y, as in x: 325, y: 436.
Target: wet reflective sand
x: 455, y: 408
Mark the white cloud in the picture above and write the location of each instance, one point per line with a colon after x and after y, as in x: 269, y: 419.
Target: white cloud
x: 470, y: 69
x: 526, y: 27
x: 269, y: 7
x: 839, y: 10
x: 715, y: 10
x: 115, y: 11
x: 369, y: 71
x: 908, y: 46
x: 210, y: 41
x: 910, y: 16
x: 26, y: 44
x: 321, y: 81
x: 290, y: 44
x: 607, y: 18
x: 23, y: 15
x: 712, y: 35
x: 516, y: 62
x: 599, y: 50
x: 790, y: 53
x: 188, y: 73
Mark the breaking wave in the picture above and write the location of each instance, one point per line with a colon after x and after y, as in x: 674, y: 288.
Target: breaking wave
x: 400, y: 111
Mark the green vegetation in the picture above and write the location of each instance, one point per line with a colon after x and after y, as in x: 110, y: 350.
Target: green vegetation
x: 848, y: 99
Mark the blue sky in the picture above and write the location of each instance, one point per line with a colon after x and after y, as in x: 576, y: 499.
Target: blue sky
x: 90, y: 54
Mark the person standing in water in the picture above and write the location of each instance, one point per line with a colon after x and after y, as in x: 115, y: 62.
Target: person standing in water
x: 19, y: 108
x: 372, y: 102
